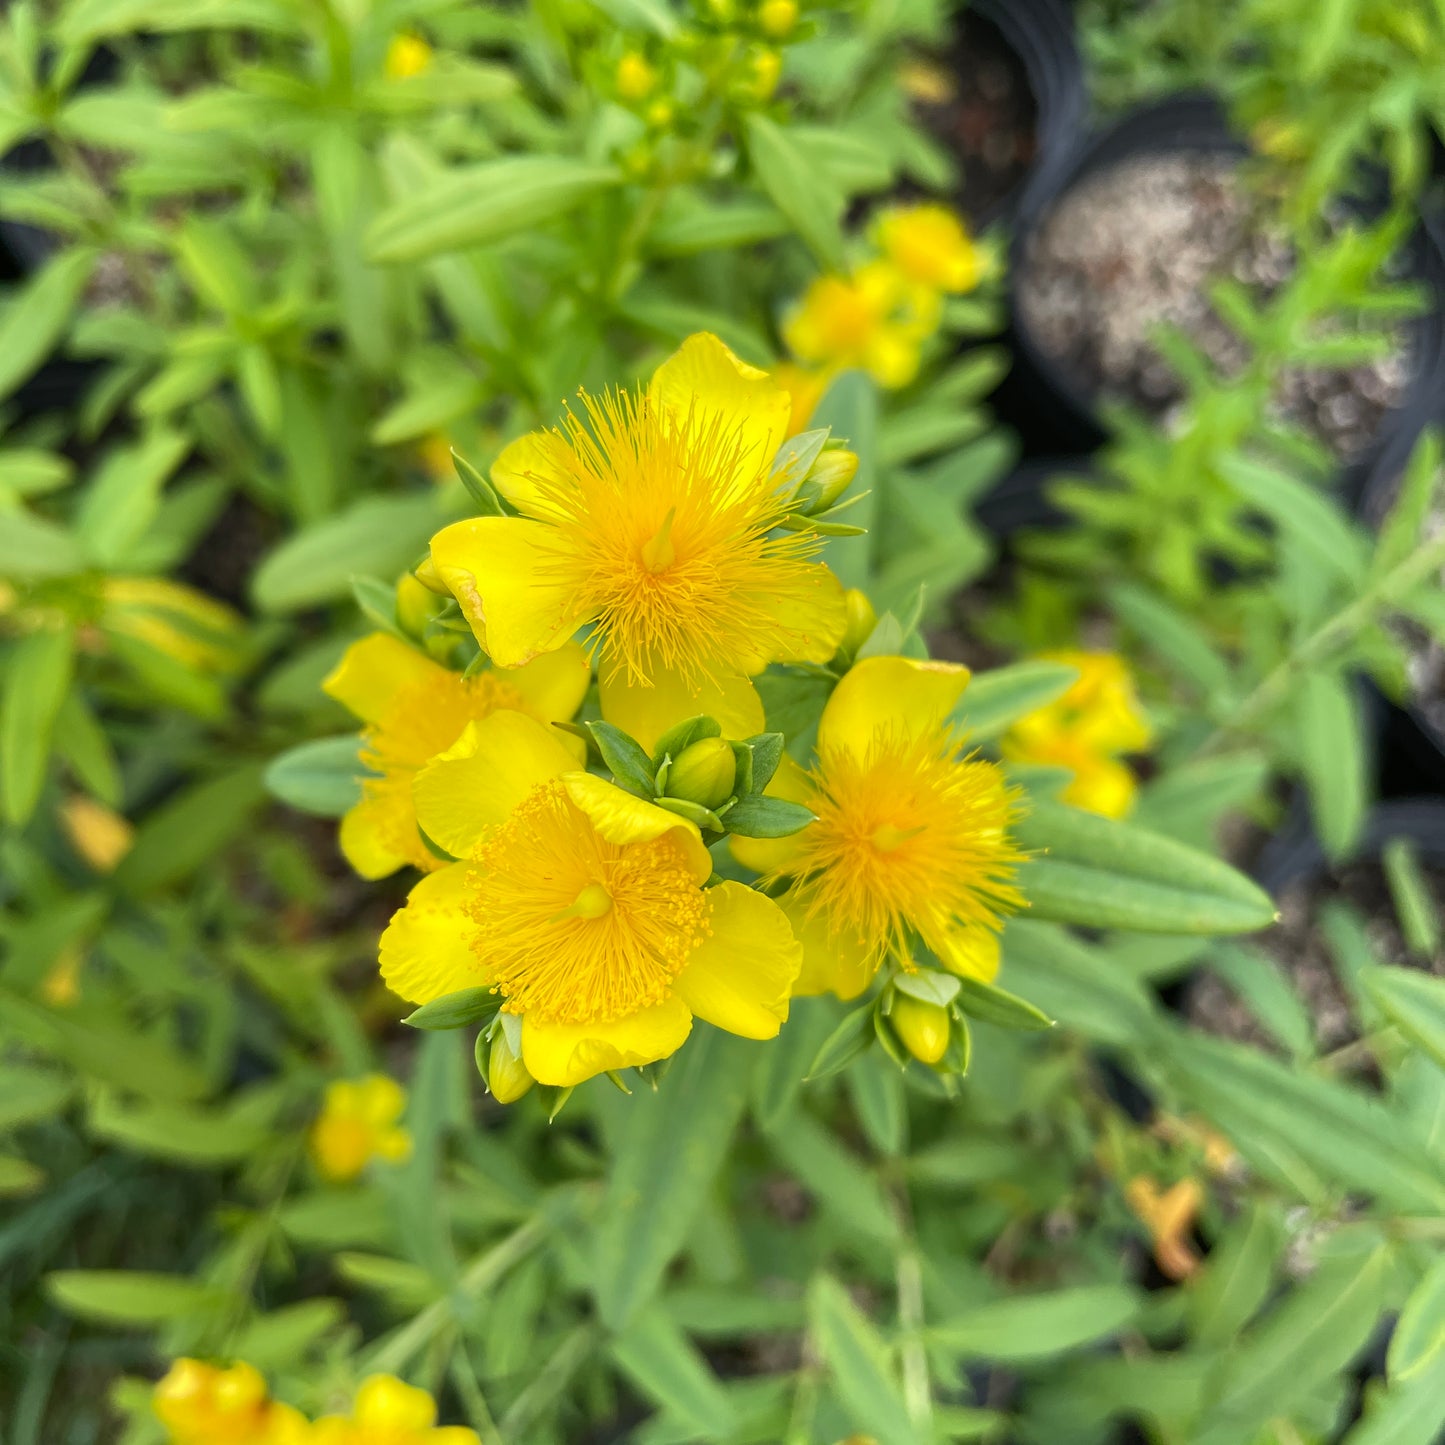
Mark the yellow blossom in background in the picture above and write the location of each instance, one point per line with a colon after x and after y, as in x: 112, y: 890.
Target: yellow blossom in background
x: 99, y: 834
x: 911, y: 838
x: 1169, y: 1216
x: 927, y: 83
x: 414, y: 709
x: 388, y: 1412
x: 636, y: 77
x: 200, y: 1404
x: 805, y: 390
x: 778, y: 18
x: 875, y: 319
x: 187, y: 626
x: 653, y: 517
x: 435, y: 454
x: 1085, y: 730
x: 582, y: 906
x: 407, y: 56
x: 61, y: 985
x: 931, y: 247
x: 358, y: 1123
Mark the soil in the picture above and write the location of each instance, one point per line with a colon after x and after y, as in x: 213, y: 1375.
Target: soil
x: 1297, y: 948
x: 1137, y: 245
x: 975, y: 99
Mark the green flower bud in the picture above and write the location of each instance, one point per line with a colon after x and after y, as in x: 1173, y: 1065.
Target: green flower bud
x: 416, y: 605
x: 704, y: 773
x: 922, y: 1028
x: 861, y: 620
x: 507, y: 1075
x: 831, y: 473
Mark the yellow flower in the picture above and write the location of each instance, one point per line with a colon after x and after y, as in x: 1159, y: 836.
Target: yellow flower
x: 414, y: 709
x: 583, y: 907
x: 1098, y: 717
x: 655, y: 521
x: 406, y: 56
x: 357, y: 1124
x: 1168, y: 1215
x: 876, y: 320
x: 930, y: 246
x: 636, y: 79
x: 388, y: 1412
x: 187, y: 626
x: 99, y: 834
x: 202, y: 1405
x: 61, y: 985
x: 778, y: 17
x: 911, y: 840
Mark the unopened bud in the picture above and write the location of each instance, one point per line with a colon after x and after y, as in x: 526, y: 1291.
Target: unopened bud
x: 831, y: 473
x: 704, y: 772
x: 416, y: 605
x: 861, y: 620
x: 507, y: 1075
x: 635, y: 78
x: 767, y: 71
x: 922, y: 1028
x: 778, y: 17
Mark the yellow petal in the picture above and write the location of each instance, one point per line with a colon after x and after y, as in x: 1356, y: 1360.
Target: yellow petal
x: 622, y: 818
x: 647, y: 712
x: 371, y: 672
x: 740, y: 977
x: 776, y: 855
x: 564, y: 1054
x: 814, y: 608
x: 528, y: 469
x: 832, y: 962
x: 426, y: 949
x: 364, y: 830
x: 482, y: 777
x: 971, y: 952
x: 503, y: 574
x: 1102, y: 785
x: 705, y: 385
x: 553, y: 684
x: 898, y: 694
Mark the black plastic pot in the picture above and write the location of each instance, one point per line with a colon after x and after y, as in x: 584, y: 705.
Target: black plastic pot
x: 1054, y: 413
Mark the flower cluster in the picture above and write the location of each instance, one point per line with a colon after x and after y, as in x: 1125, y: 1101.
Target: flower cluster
x: 200, y: 1404
x: 1086, y: 731
x: 358, y: 1123
x: 640, y: 565
x: 880, y: 315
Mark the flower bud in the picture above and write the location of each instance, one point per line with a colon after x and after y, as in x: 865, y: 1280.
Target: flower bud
x: 635, y: 79
x: 416, y: 605
x: 507, y: 1075
x: 831, y: 473
x: 861, y: 620
x: 778, y: 17
x: 767, y: 70
x: 922, y: 1028
x: 704, y: 772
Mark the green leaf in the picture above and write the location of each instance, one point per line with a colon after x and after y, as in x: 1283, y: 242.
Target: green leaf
x: 1178, y: 642
x: 121, y: 503
x: 455, y: 1010
x: 689, y: 225
x: 994, y: 701
x: 275, y: 1340
x: 33, y: 321
x: 31, y: 548
x: 380, y: 536
x: 1237, y: 1279
x: 767, y: 753
x: 1409, y: 1412
x: 799, y: 190
x: 758, y: 816
x: 1103, y: 874
x: 993, y: 1005
x: 852, y: 1037
x: 484, y: 203
x: 214, y: 264
x: 786, y: 1060
x: 322, y: 778
x: 676, y: 1140
x: 28, y: 1094
x: 37, y: 677
x: 1332, y: 756
x: 130, y: 1297
x: 1410, y: 891
x: 1420, y: 1331
x: 202, y: 1138
x: 1187, y: 802
x: 857, y: 1360
x: 1413, y: 1000
x: 1032, y: 1327
x: 663, y: 1363
x: 844, y: 1185
x: 19, y: 1177
x: 625, y: 758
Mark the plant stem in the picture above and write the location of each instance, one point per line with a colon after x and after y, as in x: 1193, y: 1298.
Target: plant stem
x: 908, y: 1272
x: 551, y: 1381
x: 470, y: 1390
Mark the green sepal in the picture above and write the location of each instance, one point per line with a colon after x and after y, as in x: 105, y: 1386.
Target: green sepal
x: 554, y: 1099
x: 850, y: 1040
x: 489, y: 504
x: 630, y: 767
x: 758, y: 816
x: 456, y: 1010
x: 995, y: 1005
x: 693, y: 812
x: 766, y: 750
x: 928, y: 985
x: 795, y: 522
x: 377, y: 601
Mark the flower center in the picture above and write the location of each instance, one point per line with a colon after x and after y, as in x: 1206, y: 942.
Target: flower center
x: 574, y: 929
x: 911, y: 838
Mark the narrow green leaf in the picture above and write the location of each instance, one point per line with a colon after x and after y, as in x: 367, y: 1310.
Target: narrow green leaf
x: 1237, y: 1279
x: 857, y: 1360
x: 663, y: 1363
x: 1414, y: 903
x: 1331, y: 738
x: 455, y: 1010
x: 37, y: 677
x: 625, y: 758
x: 994, y: 701
x: 1031, y: 1327
x: 757, y: 816
x: 798, y: 188
x: 32, y: 547
x: 1408, y: 1412
x: 1411, y: 999
x: 35, y: 319
x: 993, y: 1005
x: 1419, y: 1333
x: 130, y: 1297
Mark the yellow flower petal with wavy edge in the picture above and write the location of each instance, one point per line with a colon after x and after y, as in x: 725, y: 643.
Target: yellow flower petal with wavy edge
x: 902, y: 696
x: 527, y: 474
x: 740, y: 977
x: 364, y: 837
x: 426, y: 950
x: 622, y: 818
x: 647, y: 712
x: 484, y: 775
x: 777, y: 855
x: 563, y: 1054
x: 834, y: 961
x: 511, y: 585
x: 705, y: 386
x: 371, y: 673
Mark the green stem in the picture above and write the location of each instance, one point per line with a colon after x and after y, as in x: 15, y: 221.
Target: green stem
x: 468, y: 1387
x: 552, y: 1380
